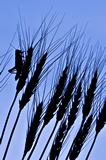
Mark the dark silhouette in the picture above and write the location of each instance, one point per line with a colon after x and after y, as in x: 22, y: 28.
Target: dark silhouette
x: 77, y: 86
x: 19, y: 62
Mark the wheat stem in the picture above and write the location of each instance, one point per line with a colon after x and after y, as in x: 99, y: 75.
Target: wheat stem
x: 58, y: 140
x: 10, y: 138
x: 80, y: 139
x: 48, y: 140
x: 91, y: 147
x: 100, y: 123
x: 35, y: 143
x: 4, y: 128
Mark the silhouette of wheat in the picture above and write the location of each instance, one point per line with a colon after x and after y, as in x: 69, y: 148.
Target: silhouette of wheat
x: 76, y: 82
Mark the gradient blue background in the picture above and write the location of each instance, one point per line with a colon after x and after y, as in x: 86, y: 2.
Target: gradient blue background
x: 92, y: 13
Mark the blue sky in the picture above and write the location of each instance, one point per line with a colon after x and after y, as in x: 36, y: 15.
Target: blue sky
x: 92, y: 13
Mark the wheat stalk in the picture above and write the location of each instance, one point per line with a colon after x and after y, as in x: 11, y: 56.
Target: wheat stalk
x: 7, y: 147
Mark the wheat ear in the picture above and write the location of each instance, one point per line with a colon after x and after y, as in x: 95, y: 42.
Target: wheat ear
x: 74, y: 110
x: 89, y: 97
x: 79, y: 139
x: 31, y: 86
x: 57, y: 143
x: 66, y: 98
x: 71, y: 117
x: 31, y: 134
x: 100, y: 122
x: 52, y: 106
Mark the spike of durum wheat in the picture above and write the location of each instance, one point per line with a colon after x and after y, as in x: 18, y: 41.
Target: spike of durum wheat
x: 79, y: 139
x: 32, y: 83
x: 66, y: 98
x: 89, y: 97
x: 32, y: 130
x: 101, y: 119
x: 74, y: 110
x: 52, y: 106
x: 71, y: 117
x: 55, y: 150
x: 100, y: 122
